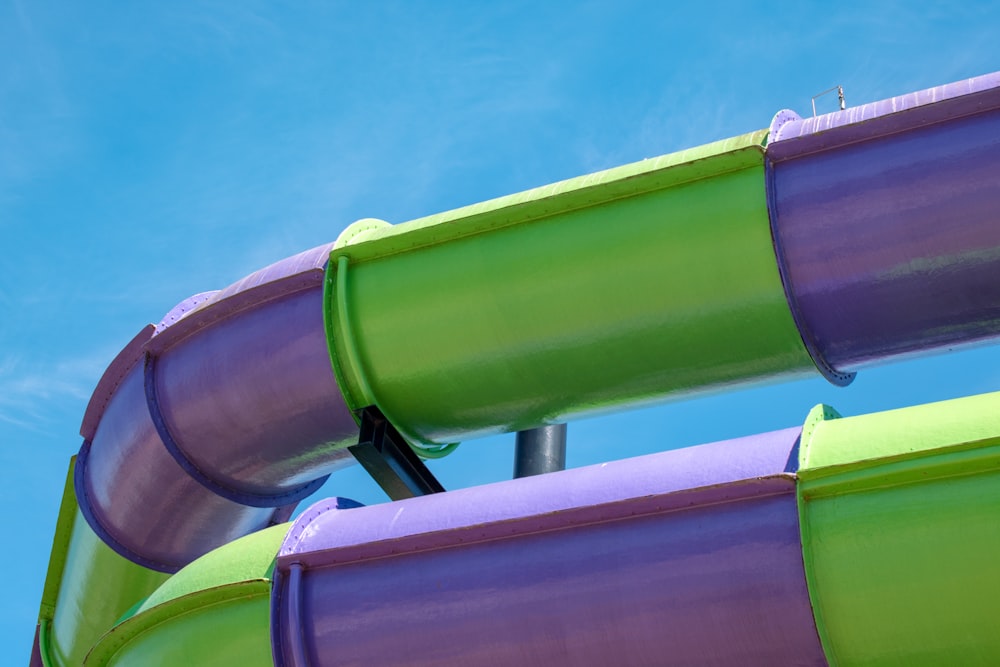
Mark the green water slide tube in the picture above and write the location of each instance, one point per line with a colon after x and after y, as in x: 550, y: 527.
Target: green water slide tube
x: 614, y: 289
x: 88, y: 587
x: 100, y: 609
x: 900, y: 520
x: 215, y: 611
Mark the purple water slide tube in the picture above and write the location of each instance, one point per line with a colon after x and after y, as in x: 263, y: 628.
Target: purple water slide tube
x: 684, y: 557
x: 886, y: 222
x: 214, y: 423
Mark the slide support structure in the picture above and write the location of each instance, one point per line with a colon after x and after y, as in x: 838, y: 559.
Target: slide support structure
x: 390, y: 460
x: 540, y: 450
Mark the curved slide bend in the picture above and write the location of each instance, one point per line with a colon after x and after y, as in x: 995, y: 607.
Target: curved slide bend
x: 649, y: 281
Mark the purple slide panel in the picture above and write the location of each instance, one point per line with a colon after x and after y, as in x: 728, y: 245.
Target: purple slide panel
x: 887, y: 222
x: 687, y: 557
x: 217, y: 421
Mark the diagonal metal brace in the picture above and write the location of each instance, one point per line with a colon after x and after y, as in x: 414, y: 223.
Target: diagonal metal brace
x: 389, y: 459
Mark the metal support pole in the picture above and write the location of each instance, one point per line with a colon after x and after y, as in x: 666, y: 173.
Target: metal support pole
x: 540, y: 450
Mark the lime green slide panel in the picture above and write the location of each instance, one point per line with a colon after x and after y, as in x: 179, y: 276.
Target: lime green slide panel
x: 88, y: 587
x: 900, y: 516
x: 610, y: 290
x: 227, y: 626
x: 215, y: 611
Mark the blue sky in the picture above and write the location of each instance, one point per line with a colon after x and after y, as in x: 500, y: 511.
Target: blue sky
x: 153, y: 151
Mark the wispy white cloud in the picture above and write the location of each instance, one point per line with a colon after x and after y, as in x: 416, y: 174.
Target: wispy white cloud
x: 31, y: 390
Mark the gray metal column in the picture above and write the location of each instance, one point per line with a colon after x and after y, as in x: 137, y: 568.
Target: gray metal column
x: 540, y: 450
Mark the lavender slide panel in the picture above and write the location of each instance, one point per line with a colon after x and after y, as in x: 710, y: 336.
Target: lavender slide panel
x: 36, y: 653
x: 288, y: 275
x: 253, y: 400
x: 706, y: 465
x: 183, y: 309
x: 304, y: 263
x: 116, y: 371
x: 144, y: 500
x: 622, y: 563
x: 892, y: 246
x: 713, y: 584
x: 242, y: 382
x: 791, y: 135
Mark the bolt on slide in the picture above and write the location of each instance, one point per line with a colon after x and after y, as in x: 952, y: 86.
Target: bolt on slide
x: 820, y: 245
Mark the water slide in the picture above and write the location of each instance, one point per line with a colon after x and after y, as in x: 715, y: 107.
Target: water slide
x: 820, y: 245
